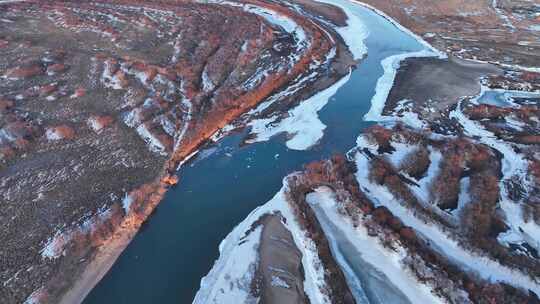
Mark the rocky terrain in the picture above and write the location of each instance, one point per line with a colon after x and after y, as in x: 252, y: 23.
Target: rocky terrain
x: 101, y: 101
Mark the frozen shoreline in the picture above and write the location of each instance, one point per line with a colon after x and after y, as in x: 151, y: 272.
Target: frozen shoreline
x: 386, y: 82
x: 302, y: 124
x: 398, y: 281
x: 218, y: 279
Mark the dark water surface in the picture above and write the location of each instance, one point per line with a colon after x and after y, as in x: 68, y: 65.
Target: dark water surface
x: 179, y: 244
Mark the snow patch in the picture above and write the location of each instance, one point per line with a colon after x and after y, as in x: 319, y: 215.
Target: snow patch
x: 302, y: 122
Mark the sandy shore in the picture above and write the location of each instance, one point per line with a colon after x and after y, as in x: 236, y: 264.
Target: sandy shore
x: 99, y: 266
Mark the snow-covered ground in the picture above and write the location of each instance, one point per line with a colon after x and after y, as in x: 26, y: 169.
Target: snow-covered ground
x: 153, y: 142
x: 233, y: 259
x: 277, y: 20
x: 55, y: 246
x: 485, y: 267
x: 514, y: 168
x: 236, y: 271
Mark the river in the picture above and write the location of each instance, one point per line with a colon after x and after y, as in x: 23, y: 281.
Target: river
x: 179, y: 243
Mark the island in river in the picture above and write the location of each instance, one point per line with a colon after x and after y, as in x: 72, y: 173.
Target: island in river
x: 440, y: 201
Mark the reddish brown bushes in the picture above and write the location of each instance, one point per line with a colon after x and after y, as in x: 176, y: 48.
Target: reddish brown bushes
x: 382, y: 137
x: 25, y: 71
x: 416, y: 163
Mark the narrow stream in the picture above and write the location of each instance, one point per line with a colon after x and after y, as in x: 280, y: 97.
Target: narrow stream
x: 179, y: 244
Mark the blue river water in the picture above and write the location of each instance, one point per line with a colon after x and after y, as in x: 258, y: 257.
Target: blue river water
x: 179, y: 243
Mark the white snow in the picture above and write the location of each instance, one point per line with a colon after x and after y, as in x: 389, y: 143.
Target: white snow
x: 464, y: 196
x: 236, y: 272
x: 53, y: 134
x: 108, y: 79
x: 502, y: 15
x: 187, y: 158
x: 34, y: 297
x: 126, y: 203
x: 94, y: 124
x: 207, y: 83
x: 54, y: 247
x: 514, y: 123
x: 422, y: 191
x: 440, y: 240
x: 214, y: 282
x: 402, y: 151
x: 302, y: 123
x: 404, y: 113
x: 371, y: 250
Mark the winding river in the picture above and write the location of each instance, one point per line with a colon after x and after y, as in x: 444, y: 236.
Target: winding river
x: 165, y: 262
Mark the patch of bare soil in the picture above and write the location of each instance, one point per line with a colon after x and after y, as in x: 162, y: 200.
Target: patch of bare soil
x: 280, y: 271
